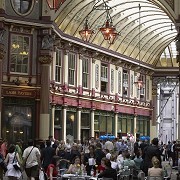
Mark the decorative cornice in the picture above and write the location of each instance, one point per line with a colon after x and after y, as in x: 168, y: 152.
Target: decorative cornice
x: 45, y: 59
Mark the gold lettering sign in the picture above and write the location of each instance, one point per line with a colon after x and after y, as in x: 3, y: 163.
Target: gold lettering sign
x: 19, y: 93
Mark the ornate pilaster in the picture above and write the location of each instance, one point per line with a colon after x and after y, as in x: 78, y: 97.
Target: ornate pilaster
x: 2, y: 52
x: 115, y: 124
x: 135, y: 126
x: 154, y: 104
x: 178, y: 61
x: 79, y: 124
x: 45, y: 60
x: 92, y: 123
x: 64, y: 124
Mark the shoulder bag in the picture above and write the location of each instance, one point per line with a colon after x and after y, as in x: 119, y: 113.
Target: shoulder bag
x: 24, y: 161
x: 16, y: 164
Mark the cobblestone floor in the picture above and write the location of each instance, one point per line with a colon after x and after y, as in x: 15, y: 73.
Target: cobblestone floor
x: 171, y: 172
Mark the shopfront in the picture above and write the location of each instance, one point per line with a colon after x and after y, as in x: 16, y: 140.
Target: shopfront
x: 103, y: 123
x: 18, y: 119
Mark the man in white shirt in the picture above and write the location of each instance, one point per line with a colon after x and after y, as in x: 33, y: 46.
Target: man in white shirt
x: 31, y: 157
x: 109, y: 145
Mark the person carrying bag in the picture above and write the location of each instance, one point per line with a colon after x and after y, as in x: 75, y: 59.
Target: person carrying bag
x: 25, y: 159
x: 16, y: 164
x: 11, y: 158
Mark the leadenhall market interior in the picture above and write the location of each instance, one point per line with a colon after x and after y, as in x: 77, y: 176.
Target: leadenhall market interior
x: 84, y: 68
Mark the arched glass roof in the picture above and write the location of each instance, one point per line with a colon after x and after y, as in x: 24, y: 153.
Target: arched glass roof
x: 148, y: 37
x: 168, y: 57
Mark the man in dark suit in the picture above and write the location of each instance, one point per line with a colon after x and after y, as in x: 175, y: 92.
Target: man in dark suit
x: 47, y: 153
x: 149, y: 152
x: 99, y: 154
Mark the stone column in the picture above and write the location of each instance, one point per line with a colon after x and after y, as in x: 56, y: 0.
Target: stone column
x: 158, y: 116
x: 178, y: 61
x: 52, y: 120
x: 115, y: 124
x: 92, y: 123
x: 45, y: 60
x: 177, y: 116
x: 1, y: 59
x: 64, y: 124
x: 2, y: 52
x: 135, y: 126
x: 79, y: 124
x: 154, y: 105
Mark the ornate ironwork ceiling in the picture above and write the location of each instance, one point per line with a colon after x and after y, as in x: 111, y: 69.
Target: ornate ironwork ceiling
x: 157, y: 29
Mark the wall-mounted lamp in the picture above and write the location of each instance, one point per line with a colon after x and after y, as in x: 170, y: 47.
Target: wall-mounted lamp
x: 17, y: 81
x: 29, y: 83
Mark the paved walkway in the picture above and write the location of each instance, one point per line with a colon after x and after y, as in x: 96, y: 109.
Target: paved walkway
x: 171, y: 172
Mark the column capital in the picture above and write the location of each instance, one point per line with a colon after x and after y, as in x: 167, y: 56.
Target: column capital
x: 45, y: 59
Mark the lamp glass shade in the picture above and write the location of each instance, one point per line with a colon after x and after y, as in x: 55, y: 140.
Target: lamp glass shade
x: 109, y: 32
x: 112, y: 37
x: 86, y: 33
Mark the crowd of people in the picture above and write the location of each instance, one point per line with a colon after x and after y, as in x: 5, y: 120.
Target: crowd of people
x: 92, y: 157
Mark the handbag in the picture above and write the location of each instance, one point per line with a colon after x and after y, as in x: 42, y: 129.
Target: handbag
x: 16, y: 165
x: 42, y: 175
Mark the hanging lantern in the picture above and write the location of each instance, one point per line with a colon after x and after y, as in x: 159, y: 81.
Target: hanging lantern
x: 86, y: 33
x: 107, y: 30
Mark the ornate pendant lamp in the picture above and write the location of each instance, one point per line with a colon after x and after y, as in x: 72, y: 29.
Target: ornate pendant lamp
x: 108, y: 30
x: 86, y: 33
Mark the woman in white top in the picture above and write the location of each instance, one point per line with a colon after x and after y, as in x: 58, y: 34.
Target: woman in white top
x: 120, y: 159
x: 12, y: 173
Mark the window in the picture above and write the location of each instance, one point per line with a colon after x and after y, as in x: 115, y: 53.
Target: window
x: 22, y: 7
x: 143, y: 125
x: 147, y: 88
x: 125, y: 123
x: 104, y: 78
x: 85, y: 72
x: 97, y: 76
x: 58, y: 67
x: 132, y: 85
x: 71, y: 68
x: 112, y: 80
x: 142, y: 90
x: 19, y: 58
x: 119, y: 82
x: 17, y: 122
x: 125, y: 82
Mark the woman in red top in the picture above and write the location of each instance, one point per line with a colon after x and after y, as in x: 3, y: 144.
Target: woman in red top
x: 101, y: 167
x: 52, y: 170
